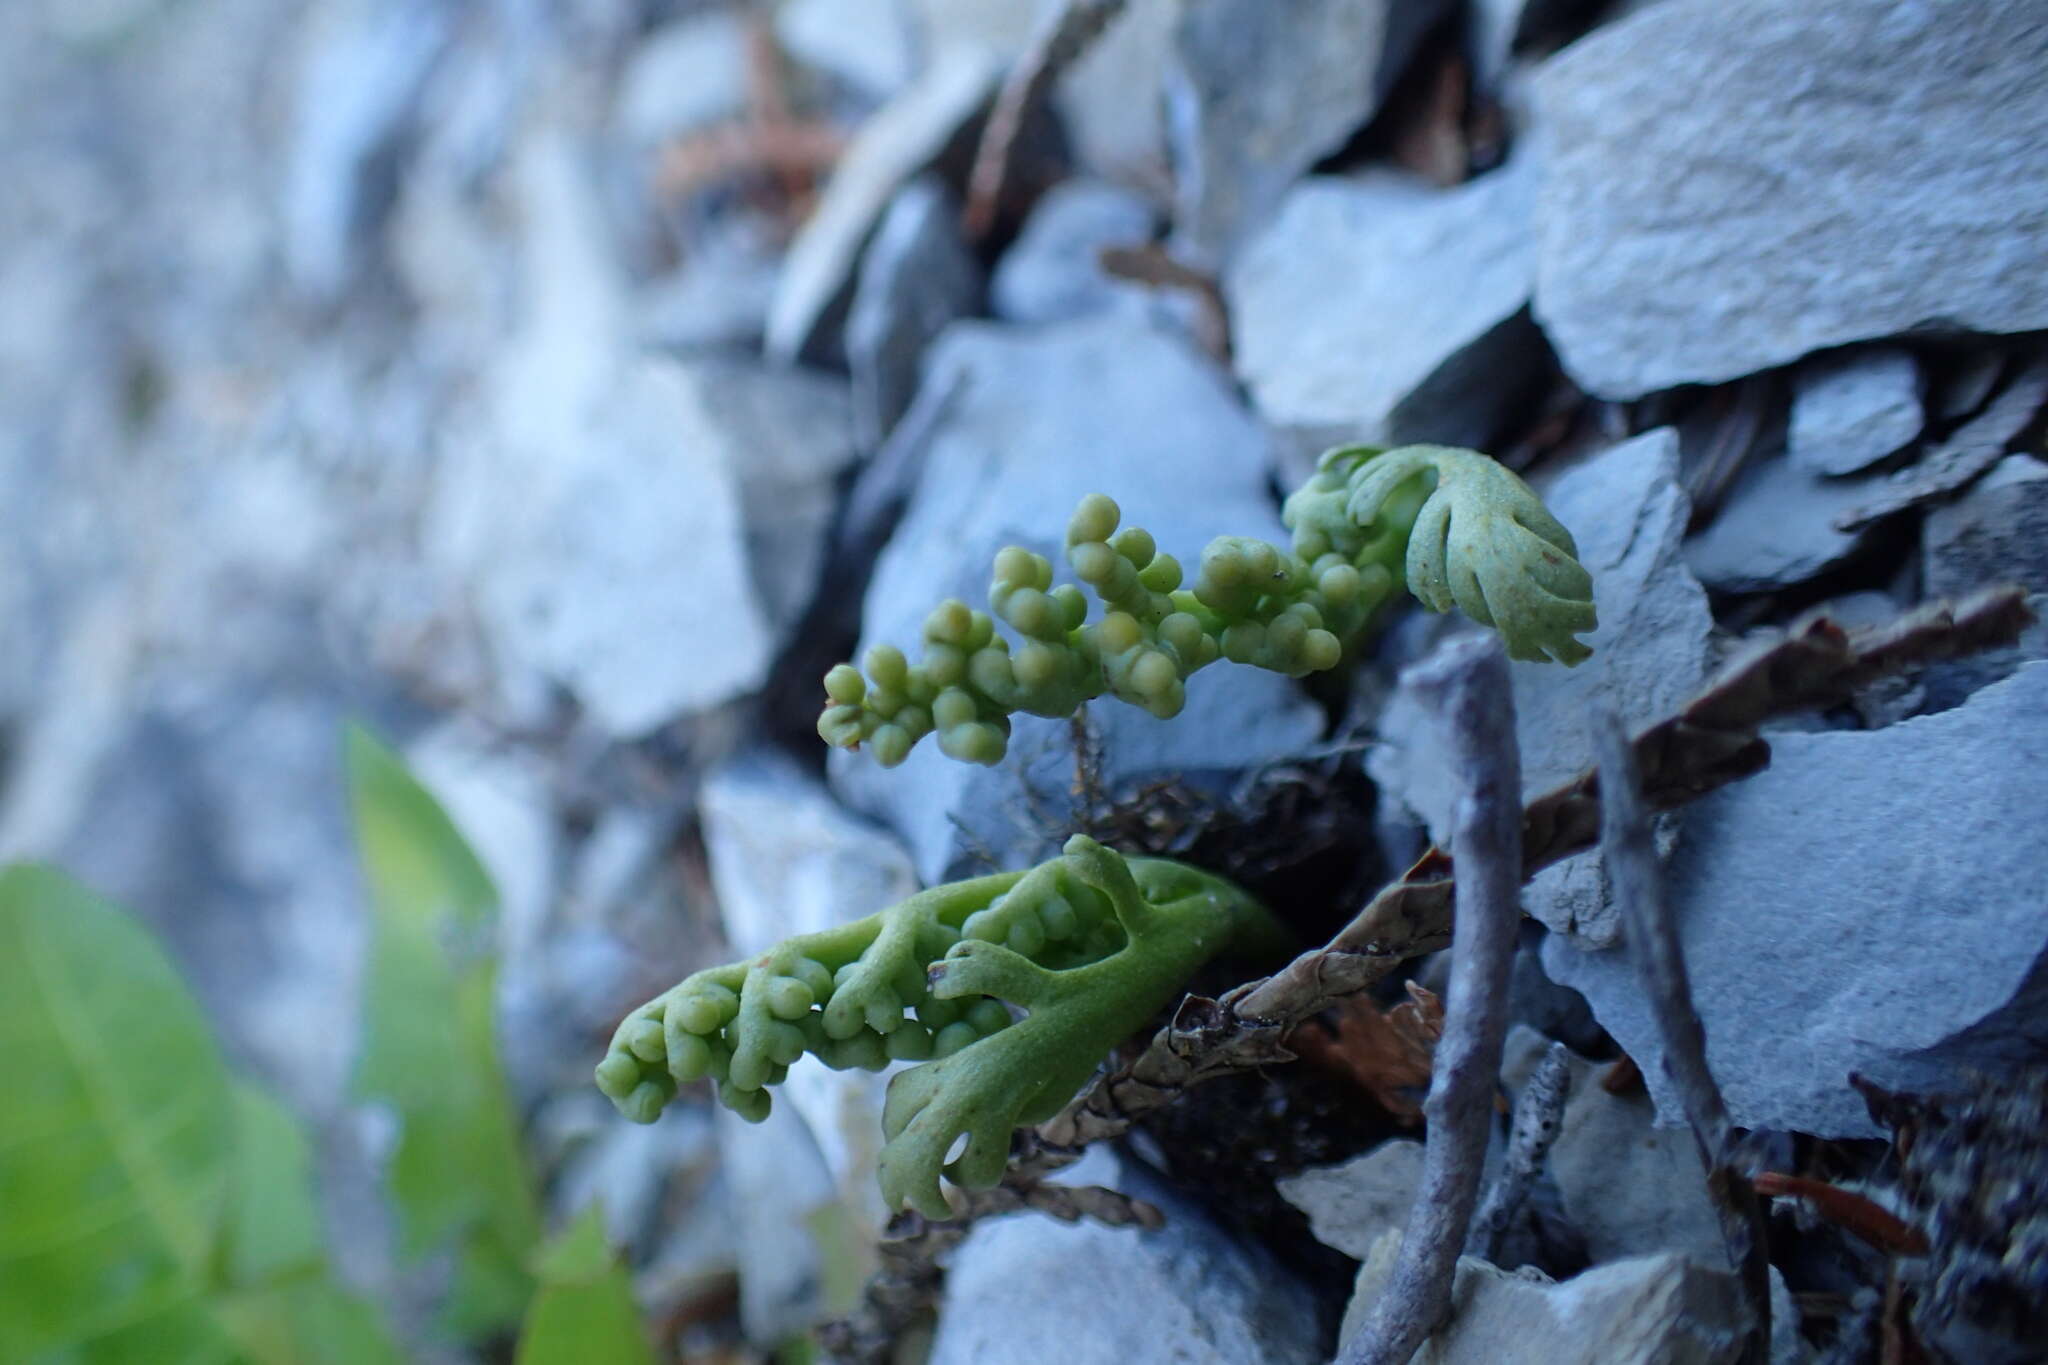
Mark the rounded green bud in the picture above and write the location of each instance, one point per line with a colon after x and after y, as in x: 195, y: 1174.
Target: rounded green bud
x: 915, y: 721
x: 944, y: 665
x: 1284, y: 636
x: 978, y: 742
x: 748, y: 1070
x: 1032, y: 613
x: 647, y: 1099
x: 1321, y: 650
x: 845, y: 685
x: 891, y: 745
x: 1036, y: 665
x: 784, y: 1043
x: 1243, y: 641
x: 1094, y: 519
x: 1153, y: 675
x: 949, y: 622
x: 618, y: 1073
x: 643, y: 1040
x: 1168, y: 703
x: 909, y: 1043
x: 935, y: 1013
x: 1261, y: 561
x: 843, y: 975
x: 1060, y: 919
x: 884, y: 1012
x: 988, y: 1016
x: 704, y: 1007
x: 1161, y: 575
x: 953, y: 1037
x: 1026, y: 936
x: 868, y: 1051
x: 1223, y: 564
x: 1184, y: 633
x: 750, y: 1103
x: 1073, y: 607
x: 689, y: 1059
x: 1014, y: 569
x: 1118, y: 632
x: 1339, y: 586
x: 986, y: 925
x: 789, y: 998
x: 815, y: 975
x: 1093, y: 561
x: 1135, y: 544
x: 981, y: 628
x: 954, y: 707
x: 990, y: 673
x: 839, y: 726
x: 887, y: 666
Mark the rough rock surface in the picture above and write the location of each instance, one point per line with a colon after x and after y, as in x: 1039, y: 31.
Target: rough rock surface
x: 915, y: 278
x: 1650, y: 1310
x: 1258, y: 93
x: 916, y: 129
x: 1776, y: 528
x: 1104, y: 404
x: 1865, y: 899
x: 1351, y: 1204
x: 1852, y: 410
x: 1853, y: 171
x: 1627, y: 511
x: 1024, y: 1289
x: 1050, y: 273
x: 1382, y: 310
x: 1997, y: 532
x: 687, y: 74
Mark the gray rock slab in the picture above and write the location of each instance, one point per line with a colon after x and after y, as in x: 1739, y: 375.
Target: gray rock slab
x: 1042, y: 417
x: 1866, y: 899
x: 1024, y: 1289
x: 916, y: 277
x: 1776, y: 528
x: 1649, y: 1310
x: 717, y: 297
x: 1627, y: 511
x: 1997, y: 532
x: 1854, y: 171
x: 909, y: 134
x: 614, y: 561
x: 1388, y: 309
x: 1257, y: 93
x: 1850, y: 411
x: 786, y: 859
x: 682, y: 77
x: 778, y: 1184
x: 1352, y: 1204
x: 1051, y: 272
x: 866, y: 43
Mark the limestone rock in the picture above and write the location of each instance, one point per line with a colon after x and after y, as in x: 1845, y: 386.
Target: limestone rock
x: 1351, y: 1204
x: 1850, y: 411
x: 1051, y: 273
x: 1854, y: 170
x: 916, y: 277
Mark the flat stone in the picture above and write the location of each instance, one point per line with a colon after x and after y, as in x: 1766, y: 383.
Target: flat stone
x: 717, y: 297
x: 1257, y: 93
x: 1860, y: 905
x: 1188, y: 1292
x: 928, y: 119
x: 1052, y: 271
x: 683, y: 77
x: 1627, y: 511
x: 786, y: 860
x: 1352, y: 1204
x: 1770, y: 207
x: 1852, y: 410
x: 1776, y: 528
x: 1410, y: 325
x: 916, y: 278
x: 1650, y: 1310
x: 1995, y: 533
x: 1042, y: 417
x: 778, y: 1184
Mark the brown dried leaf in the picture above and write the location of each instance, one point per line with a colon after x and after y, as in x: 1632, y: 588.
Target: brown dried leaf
x: 1386, y: 1053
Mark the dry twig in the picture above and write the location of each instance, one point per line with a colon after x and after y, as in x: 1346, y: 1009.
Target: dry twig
x: 1630, y: 854
x: 1467, y: 685
x: 1539, y: 1110
x: 1060, y: 41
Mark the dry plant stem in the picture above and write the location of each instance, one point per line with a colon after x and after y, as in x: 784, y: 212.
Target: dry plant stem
x: 1539, y: 1110
x: 1631, y: 859
x: 913, y: 1249
x: 1466, y: 684
x: 1061, y: 39
x: 1707, y: 744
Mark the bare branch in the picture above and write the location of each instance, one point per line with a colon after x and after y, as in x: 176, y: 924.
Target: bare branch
x: 1631, y: 858
x: 1466, y: 684
x: 1539, y: 1110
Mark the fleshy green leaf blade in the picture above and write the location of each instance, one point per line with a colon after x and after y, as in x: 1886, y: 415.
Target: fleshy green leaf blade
x: 114, y: 1139
x: 584, y: 1313
x: 458, y: 1174
x: 273, y: 1225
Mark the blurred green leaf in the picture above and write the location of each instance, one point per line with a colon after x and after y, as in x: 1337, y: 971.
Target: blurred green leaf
x: 584, y: 1313
x: 458, y: 1177
x: 138, y: 1184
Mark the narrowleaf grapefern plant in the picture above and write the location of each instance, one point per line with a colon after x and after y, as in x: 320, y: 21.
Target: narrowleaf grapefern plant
x: 1091, y: 944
